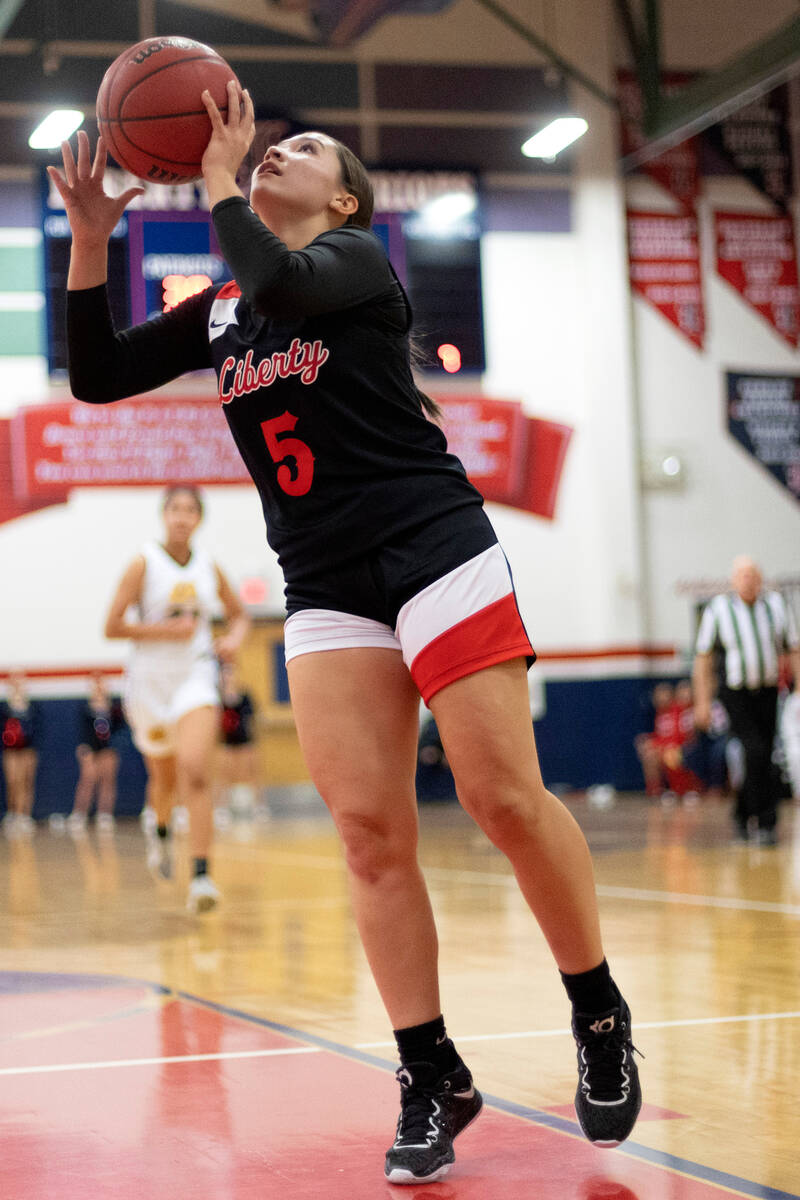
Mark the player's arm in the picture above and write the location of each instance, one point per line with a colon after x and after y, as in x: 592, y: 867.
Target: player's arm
x: 128, y: 593
x: 237, y: 620
x: 341, y: 269
x: 104, y: 365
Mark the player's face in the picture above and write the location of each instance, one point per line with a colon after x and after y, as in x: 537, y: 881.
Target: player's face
x: 181, y: 516
x: 302, y: 175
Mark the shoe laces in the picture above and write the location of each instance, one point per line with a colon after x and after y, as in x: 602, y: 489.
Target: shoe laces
x: 418, y: 1109
x: 603, y: 1055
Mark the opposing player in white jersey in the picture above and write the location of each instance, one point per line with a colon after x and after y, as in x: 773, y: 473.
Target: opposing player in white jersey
x: 171, y: 692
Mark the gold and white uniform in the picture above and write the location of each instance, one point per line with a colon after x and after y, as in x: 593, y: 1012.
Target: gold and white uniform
x: 165, y: 680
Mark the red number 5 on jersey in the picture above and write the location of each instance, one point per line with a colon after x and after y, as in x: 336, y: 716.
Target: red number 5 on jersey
x: 295, y: 481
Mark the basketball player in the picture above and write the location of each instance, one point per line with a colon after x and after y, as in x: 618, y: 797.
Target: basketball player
x: 19, y: 737
x: 101, y: 718
x: 171, y: 685
x: 395, y: 587
x: 238, y: 771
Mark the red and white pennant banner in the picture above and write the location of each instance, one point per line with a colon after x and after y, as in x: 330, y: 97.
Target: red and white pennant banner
x: 757, y: 255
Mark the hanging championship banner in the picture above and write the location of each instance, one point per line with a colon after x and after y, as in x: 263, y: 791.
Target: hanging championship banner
x: 511, y: 458
x: 677, y: 169
x: 755, y: 141
x: 664, y: 260
x: 756, y: 254
x: 46, y: 450
x: 764, y: 417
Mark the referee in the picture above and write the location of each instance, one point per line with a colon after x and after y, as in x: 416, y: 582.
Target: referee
x: 753, y: 629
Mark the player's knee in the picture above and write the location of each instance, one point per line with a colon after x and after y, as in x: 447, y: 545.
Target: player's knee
x: 373, y: 848
x: 196, y: 775
x: 507, y: 810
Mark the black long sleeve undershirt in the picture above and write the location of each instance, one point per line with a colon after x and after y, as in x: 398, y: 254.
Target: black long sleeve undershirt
x: 338, y: 270
x: 106, y: 366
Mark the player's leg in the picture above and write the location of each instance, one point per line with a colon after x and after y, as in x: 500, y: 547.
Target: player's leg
x: 357, y: 718
x: 27, y: 783
x: 196, y: 739
x: 84, y: 789
x: 649, y: 754
x: 161, y: 789
x: 485, y: 726
x: 486, y: 730
x: 12, y: 770
x: 107, y: 767
x: 356, y: 712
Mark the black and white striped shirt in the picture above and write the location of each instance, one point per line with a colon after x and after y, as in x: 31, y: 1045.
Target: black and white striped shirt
x: 752, y: 636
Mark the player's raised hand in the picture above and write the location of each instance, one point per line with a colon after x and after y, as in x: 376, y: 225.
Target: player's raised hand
x: 230, y: 139
x: 91, y: 212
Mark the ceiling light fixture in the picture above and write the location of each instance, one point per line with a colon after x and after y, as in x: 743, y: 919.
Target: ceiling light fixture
x: 56, y: 127
x: 551, y: 140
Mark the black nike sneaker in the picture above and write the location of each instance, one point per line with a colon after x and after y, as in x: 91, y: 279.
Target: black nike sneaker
x: 609, y: 1097
x: 434, y: 1110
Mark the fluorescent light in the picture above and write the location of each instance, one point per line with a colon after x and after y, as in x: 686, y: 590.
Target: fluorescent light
x: 55, y: 128
x: 442, y: 216
x: 449, y: 207
x: 554, y: 137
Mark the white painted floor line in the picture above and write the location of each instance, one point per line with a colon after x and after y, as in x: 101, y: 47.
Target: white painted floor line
x: 52, y: 1068
x: 637, y: 1025
x: 736, y: 902
x: 607, y: 891
x: 47, y: 1069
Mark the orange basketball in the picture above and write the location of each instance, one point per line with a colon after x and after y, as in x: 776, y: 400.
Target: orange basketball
x: 150, y: 111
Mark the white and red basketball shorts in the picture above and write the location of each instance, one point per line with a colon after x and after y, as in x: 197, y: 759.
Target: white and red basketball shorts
x: 443, y: 595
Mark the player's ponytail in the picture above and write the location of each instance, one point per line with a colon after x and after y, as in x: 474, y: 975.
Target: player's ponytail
x: 357, y: 181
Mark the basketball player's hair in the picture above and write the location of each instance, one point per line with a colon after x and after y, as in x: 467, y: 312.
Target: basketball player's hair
x: 189, y: 489
x: 357, y: 181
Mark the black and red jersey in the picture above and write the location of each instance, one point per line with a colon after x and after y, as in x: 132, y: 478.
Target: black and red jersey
x: 311, y: 353
x: 236, y: 721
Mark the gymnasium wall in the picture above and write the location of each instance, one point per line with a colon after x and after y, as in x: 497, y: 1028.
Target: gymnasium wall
x: 601, y: 584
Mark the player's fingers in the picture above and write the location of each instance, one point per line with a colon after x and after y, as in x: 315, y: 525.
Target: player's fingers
x: 129, y: 195
x: 84, y: 163
x: 69, y: 163
x: 214, y: 114
x: 60, y: 184
x: 249, y: 115
x: 100, y: 156
x: 234, y: 98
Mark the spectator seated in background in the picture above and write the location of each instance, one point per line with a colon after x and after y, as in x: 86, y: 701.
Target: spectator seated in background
x: 676, y: 758
x: 650, y: 746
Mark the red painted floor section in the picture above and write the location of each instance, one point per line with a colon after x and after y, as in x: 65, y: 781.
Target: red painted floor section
x: 285, y: 1127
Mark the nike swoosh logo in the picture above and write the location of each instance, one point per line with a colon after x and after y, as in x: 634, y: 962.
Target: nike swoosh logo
x: 464, y: 1095
x: 218, y: 324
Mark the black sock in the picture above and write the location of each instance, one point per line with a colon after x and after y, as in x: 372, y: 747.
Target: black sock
x: 200, y: 866
x: 162, y: 831
x: 592, y: 991
x: 427, y: 1043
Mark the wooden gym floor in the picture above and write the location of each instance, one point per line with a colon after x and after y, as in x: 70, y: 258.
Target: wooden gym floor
x: 245, y: 1054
